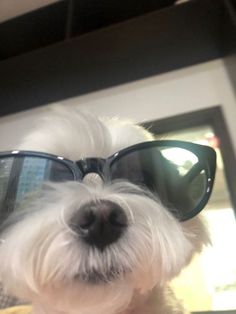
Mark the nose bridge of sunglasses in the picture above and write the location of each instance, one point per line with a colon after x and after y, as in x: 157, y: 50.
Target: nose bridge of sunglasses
x: 91, y: 166
x: 93, y: 179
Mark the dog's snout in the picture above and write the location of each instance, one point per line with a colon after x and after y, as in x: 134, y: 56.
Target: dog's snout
x: 100, y: 223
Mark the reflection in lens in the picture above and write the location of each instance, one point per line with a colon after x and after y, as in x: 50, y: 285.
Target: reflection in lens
x: 24, y: 176
x: 5, y: 171
x: 174, y: 174
x: 186, y: 179
x: 197, y: 187
x: 182, y: 158
x: 34, y: 171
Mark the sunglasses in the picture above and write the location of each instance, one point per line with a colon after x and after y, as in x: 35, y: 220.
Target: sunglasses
x: 180, y: 174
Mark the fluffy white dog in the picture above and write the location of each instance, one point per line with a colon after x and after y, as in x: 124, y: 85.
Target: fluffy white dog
x: 88, y: 246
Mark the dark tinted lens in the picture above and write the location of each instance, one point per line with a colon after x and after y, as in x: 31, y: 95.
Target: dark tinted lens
x: 175, y: 174
x: 24, y: 175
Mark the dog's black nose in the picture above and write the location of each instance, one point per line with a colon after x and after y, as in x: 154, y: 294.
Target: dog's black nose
x: 99, y: 223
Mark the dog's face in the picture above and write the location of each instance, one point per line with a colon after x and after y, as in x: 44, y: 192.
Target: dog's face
x: 90, y: 245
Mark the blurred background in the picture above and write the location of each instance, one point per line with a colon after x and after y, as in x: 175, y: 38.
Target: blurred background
x: 169, y: 65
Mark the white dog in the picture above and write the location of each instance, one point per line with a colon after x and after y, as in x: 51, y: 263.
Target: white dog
x: 87, y: 246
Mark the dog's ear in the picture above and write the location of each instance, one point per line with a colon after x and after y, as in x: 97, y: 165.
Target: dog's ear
x: 196, y: 232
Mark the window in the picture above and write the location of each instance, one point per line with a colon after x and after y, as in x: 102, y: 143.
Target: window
x: 209, y: 282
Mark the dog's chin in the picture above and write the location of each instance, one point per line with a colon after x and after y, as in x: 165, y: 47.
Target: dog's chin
x: 95, y: 277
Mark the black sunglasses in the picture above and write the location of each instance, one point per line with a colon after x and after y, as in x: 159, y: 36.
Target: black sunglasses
x: 180, y: 174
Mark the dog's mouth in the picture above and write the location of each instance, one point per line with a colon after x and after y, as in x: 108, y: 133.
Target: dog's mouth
x: 96, y: 277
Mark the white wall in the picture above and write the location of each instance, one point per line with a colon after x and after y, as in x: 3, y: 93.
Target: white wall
x: 161, y: 96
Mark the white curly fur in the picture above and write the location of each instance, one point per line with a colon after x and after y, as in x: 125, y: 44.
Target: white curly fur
x: 41, y: 256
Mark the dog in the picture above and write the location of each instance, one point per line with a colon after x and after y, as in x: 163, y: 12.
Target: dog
x: 50, y: 257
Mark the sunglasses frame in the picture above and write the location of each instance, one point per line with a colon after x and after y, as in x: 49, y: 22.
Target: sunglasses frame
x: 102, y: 167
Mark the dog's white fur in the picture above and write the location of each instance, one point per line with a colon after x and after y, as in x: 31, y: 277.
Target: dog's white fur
x: 41, y: 257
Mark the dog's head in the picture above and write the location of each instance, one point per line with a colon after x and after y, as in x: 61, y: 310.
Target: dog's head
x: 91, y: 242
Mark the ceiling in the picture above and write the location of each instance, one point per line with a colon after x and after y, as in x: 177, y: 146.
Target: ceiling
x: 13, y: 8
x: 62, y: 50
x: 27, y: 25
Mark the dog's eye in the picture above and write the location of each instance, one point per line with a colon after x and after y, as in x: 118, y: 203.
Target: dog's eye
x: 129, y: 170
